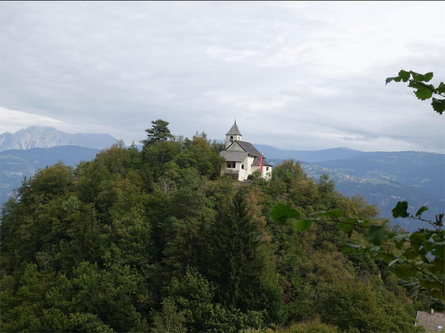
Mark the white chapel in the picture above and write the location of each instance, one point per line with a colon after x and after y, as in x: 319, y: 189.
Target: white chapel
x: 242, y: 158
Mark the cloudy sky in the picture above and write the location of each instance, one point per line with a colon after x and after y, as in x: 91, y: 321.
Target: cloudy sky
x: 296, y: 75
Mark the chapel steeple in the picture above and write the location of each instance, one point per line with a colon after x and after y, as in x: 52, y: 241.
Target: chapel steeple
x: 233, y: 134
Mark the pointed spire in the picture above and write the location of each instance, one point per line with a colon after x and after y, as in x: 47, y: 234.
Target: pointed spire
x: 234, y: 130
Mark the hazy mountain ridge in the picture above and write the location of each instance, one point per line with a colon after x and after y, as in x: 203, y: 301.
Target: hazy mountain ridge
x: 308, y: 155
x: 418, y: 169
x: 46, y: 137
x: 381, y: 178
x: 384, y: 192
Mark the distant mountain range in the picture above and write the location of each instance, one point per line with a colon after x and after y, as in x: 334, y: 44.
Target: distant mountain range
x: 46, y: 137
x: 308, y: 156
x: 381, y: 178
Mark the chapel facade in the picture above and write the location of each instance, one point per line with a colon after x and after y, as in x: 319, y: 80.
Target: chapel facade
x: 242, y: 158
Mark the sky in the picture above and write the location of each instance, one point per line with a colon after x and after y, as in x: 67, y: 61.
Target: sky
x: 295, y: 75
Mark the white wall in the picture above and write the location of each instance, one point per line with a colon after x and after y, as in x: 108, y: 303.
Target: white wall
x: 267, y: 172
x: 243, y: 173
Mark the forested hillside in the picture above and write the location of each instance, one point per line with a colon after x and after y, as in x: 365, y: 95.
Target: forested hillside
x: 17, y: 164
x: 156, y: 240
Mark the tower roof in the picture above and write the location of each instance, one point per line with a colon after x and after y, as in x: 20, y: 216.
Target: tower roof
x: 234, y: 130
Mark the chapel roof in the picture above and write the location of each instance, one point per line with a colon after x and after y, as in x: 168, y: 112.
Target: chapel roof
x: 257, y: 162
x: 234, y: 130
x: 248, y: 148
x: 234, y: 156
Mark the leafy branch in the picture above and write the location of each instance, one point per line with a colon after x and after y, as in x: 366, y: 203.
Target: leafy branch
x: 420, y: 255
x: 422, y: 90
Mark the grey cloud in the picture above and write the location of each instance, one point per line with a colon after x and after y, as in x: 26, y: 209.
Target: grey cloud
x: 280, y: 68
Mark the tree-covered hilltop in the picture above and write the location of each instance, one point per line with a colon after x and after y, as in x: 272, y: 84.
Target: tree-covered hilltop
x: 157, y: 241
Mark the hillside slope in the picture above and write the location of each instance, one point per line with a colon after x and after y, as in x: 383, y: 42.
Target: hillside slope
x: 17, y: 164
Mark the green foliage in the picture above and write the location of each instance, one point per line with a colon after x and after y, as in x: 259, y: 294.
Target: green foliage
x: 422, y: 90
x: 310, y: 327
x: 420, y: 259
x: 418, y: 256
x: 239, y: 265
x: 290, y: 183
x: 157, y: 240
x: 303, y: 225
x: 282, y: 212
x: 193, y: 296
x: 417, y: 259
x: 157, y: 133
x: 358, y: 308
x: 400, y: 210
x: 169, y: 319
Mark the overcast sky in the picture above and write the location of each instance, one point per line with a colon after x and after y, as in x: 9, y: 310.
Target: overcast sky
x: 296, y: 75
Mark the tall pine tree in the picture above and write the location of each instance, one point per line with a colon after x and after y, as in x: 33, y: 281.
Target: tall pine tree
x: 238, y: 260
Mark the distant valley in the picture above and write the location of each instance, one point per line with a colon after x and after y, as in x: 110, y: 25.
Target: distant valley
x: 381, y: 178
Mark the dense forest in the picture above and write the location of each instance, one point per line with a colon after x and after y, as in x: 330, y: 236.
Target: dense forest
x: 158, y: 241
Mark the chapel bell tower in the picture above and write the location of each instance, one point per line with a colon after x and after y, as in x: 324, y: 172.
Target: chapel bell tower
x: 233, y: 135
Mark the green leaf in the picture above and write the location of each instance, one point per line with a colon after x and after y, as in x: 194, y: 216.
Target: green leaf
x: 410, y: 253
x: 354, y: 246
x: 423, y: 93
x: 333, y: 213
x: 281, y: 213
x: 441, y: 88
x: 438, y: 105
x: 439, y: 220
x: 389, y: 79
x: 364, y: 223
x: 422, y: 77
x: 438, y: 266
x: 417, y: 239
x: 376, y: 235
x: 303, y: 225
x: 394, y: 262
x: 400, y: 239
x: 404, y: 75
x: 428, y: 76
x: 421, y: 210
x: 405, y: 271
x: 430, y: 284
x: 385, y: 256
x: 347, y: 225
x: 438, y: 250
x: 400, y: 210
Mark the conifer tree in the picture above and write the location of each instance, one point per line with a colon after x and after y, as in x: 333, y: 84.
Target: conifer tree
x: 157, y: 133
x: 237, y: 262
